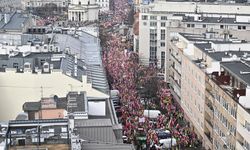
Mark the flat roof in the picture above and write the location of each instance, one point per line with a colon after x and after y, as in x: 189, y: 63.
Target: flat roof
x: 213, y: 20
x: 240, y: 69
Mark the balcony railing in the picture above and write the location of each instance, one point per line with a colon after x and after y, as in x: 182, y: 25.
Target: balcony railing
x: 209, y: 137
x: 209, y: 110
x: 178, y: 84
x: 173, y: 67
x: 173, y: 56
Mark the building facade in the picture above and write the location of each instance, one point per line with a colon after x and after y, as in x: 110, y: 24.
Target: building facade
x: 213, y: 86
x: 83, y: 10
x: 103, y: 4
x: 161, y: 20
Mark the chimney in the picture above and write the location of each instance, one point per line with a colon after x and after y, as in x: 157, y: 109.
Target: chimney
x: 6, y: 18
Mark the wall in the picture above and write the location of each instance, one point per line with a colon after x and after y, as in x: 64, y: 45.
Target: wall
x: 193, y: 93
x: 27, y: 87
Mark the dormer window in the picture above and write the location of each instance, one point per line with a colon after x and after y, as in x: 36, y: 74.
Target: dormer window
x: 46, y: 67
x: 27, y: 65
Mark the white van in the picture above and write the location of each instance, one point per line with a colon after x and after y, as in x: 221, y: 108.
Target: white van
x: 152, y: 114
x: 166, y: 143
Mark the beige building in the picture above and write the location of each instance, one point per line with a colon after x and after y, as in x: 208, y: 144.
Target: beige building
x: 162, y: 20
x: 200, y: 79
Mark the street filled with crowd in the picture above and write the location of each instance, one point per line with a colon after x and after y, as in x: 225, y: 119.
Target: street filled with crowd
x: 126, y: 75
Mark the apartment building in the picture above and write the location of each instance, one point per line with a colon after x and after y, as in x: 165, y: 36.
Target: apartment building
x: 103, y: 4
x: 81, y: 10
x: 161, y: 20
x: 209, y: 75
x: 32, y: 4
x: 74, y: 60
x: 12, y: 4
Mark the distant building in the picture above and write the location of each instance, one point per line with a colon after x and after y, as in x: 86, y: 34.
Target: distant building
x: 82, y: 10
x: 15, y: 23
x: 17, y: 4
x: 32, y: 4
x: 161, y: 20
x: 103, y: 4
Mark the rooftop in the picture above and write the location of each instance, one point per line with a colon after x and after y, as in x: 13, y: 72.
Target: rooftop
x: 73, y: 102
x: 38, y: 60
x: 240, y: 69
x: 213, y: 20
x: 14, y: 21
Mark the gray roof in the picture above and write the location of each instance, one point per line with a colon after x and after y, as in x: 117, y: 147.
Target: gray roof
x: 213, y: 20
x: 93, y: 123
x: 65, y: 62
x: 96, y: 146
x: 96, y: 130
x: 236, y: 68
x: 219, y: 55
x: 74, y: 102
x: 87, y: 47
x: 31, y: 106
x: 16, y: 22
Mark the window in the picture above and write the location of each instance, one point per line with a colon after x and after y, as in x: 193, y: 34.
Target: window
x: 247, y: 125
x: 153, y: 17
x: 163, y: 24
x: 79, y: 3
x: 15, y: 65
x: 153, y: 24
x: 144, y: 23
x: 204, y: 26
x: 162, y: 34
x: 42, y: 61
x: 188, y: 25
x: 144, y: 17
x: 164, y: 18
x: 162, y: 59
x: 239, y: 27
x: 4, y: 66
x: 222, y: 26
x: 192, y: 25
x: 153, y: 54
x: 162, y: 44
x: 244, y: 27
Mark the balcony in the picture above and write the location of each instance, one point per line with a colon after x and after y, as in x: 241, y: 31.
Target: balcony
x: 209, y: 125
x: 175, y: 70
x: 208, y: 141
x: 209, y: 109
x: 243, y: 131
x: 175, y: 58
x: 175, y: 82
x: 175, y: 95
x: 209, y: 94
x: 240, y: 145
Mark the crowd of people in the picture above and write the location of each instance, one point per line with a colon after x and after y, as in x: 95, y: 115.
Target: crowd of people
x: 125, y: 74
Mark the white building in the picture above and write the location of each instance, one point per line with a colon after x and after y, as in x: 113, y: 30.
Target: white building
x: 83, y: 10
x: 104, y: 4
x: 46, y: 69
x: 161, y: 20
x: 41, y: 3
x: 11, y: 3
